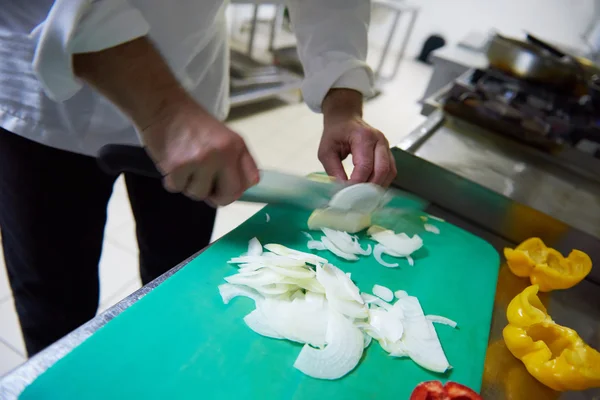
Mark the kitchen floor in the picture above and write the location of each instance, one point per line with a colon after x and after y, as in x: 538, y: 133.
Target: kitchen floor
x: 283, y: 137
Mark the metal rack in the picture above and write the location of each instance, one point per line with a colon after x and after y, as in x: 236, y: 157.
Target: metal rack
x: 253, y: 81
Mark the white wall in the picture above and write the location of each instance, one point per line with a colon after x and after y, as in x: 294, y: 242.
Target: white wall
x: 562, y: 21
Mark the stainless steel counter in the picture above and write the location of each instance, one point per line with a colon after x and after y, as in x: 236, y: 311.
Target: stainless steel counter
x: 493, y: 195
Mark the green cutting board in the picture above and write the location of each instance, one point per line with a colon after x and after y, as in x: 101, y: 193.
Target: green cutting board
x: 181, y: 342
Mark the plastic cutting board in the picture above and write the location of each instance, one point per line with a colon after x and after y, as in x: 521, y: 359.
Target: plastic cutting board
x: 182, y: 342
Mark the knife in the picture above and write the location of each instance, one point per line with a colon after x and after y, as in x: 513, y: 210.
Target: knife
x: 274, y: 187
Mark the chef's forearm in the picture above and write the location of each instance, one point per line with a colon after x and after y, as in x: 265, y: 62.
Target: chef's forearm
x: 134, y: 77
x: 342, y: 103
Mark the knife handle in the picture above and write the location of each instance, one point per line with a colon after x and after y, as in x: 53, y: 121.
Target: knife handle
x: 117, y: 158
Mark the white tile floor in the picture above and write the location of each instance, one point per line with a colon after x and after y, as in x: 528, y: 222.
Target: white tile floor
x: 285, y: 138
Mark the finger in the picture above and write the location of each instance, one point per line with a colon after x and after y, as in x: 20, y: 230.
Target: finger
x: 229, y: 185
x: 393, y: 171
x: 332, y: 162
x: 249, y: 170
x: 177, y: 180
x: 200, y: 184
x: 363, y: 157
x: 381, y: 164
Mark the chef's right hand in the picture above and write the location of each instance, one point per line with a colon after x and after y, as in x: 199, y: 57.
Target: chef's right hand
x: 199, y: 156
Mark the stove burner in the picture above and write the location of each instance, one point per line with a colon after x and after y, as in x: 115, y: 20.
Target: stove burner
x: 535, y: 114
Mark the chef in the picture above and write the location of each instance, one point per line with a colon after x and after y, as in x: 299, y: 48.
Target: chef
x: 76, y: 75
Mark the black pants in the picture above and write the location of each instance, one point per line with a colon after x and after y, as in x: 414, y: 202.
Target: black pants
x: 52, y: 216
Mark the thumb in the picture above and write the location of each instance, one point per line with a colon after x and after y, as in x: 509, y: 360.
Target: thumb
x: 332, y: 162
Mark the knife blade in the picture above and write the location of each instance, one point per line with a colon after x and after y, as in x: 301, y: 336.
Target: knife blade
x: 274, y: 187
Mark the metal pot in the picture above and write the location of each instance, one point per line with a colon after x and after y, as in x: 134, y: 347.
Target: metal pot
x: 530, y: 62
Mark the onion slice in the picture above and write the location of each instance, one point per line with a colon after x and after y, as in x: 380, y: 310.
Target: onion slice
x: 378, y: 251
x: 286, y: 252
x: 229, y: 291
x: 442, y: 320
x: 333, y: 248
x: 258, y: 323
x: 432, y: 228
x: 383, y: 293
x: 315, y: 245
x: 254, y: 247
x: 267, y: 217
x: 344, y: 349
x: 361, y: 197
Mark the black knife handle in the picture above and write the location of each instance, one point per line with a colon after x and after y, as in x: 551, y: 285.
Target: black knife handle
x: 117, y: 158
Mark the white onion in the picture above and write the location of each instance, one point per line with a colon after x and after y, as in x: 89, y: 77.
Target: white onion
x: 347, y: 221
x: 377, y: 254
x: 332, y: 248
x: 268, y: 258
x: 229, y: 291
x: 432, y: 228
x: 267, y: 217
x: 361, y: 197
x: 436, y: 218
x: 345, y: 242
x: 312, y: 297
x: 400, y: 294
x: 298, y: 273
x: 348, y: 308
x: 367, y: 341
x: 298, y: 321
x: 315, y: 245
x: 359, y: 249
x: 262, y: 278
x: 441, y: 320
x: 254, y: 247
x: 383, y: 293
x: 370, y: 299
x: 388, y: 325
x: 258, y: 323
x: 400, y: 244
x: 339, y: 357
x: 286, y: 252
x: 338, y: 284
x: 273, y: 289
x: 410, y: 260
x: 396, y: 349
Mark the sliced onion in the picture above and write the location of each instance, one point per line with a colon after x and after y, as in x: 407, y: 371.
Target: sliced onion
x: 367, y: 339
x: 399, y: 244
x: 274, y: 289
x: 396, y: 349
x: 269, y: 258
x: 361, y: 197
x: 332, y: 248
x: 348, y: 308
x: 311, y: 284
x: 308, y: 235
x: 441, y: 320
x: 436, y: 218
x: 400, y: 294
x: 420, y: 338
x: 339, y: 357
x: 254, y: 247
x: 298, y: 294
x: 378, y: 252
x: 370, y: 299
x: 298, y: 273
x: 258, y: 323
x: 298, y: 321
x: 312, y: 297
x: 432, y: 228
x: 338, y: 284
x: 345, y: 242
x: 262, y: 278
x: 383, y: 293
x: 267, y: 217
x: 315, y: 245
x: 388, y: 325
x: 410, y: 260
x: 229, y: 291
x: 286, y: 252
x: 347, y: 221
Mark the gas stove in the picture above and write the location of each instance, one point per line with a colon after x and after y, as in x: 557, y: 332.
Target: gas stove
x: 531, y: 113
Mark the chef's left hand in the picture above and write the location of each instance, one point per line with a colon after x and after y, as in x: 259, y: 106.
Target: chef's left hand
x: 345, y: 133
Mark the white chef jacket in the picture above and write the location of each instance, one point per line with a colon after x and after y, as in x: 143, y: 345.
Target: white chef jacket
x: 41, y: 99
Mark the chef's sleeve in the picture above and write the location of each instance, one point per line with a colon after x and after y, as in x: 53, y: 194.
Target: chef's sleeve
x: 80, y: 26
x: 332, y: 45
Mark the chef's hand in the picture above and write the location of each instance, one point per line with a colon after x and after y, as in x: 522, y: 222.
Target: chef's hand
x: 199, y: 156
x: 346, y: 133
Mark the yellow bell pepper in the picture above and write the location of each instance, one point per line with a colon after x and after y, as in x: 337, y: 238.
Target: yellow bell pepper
x: 546, y: 267
x: 553, y: 354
